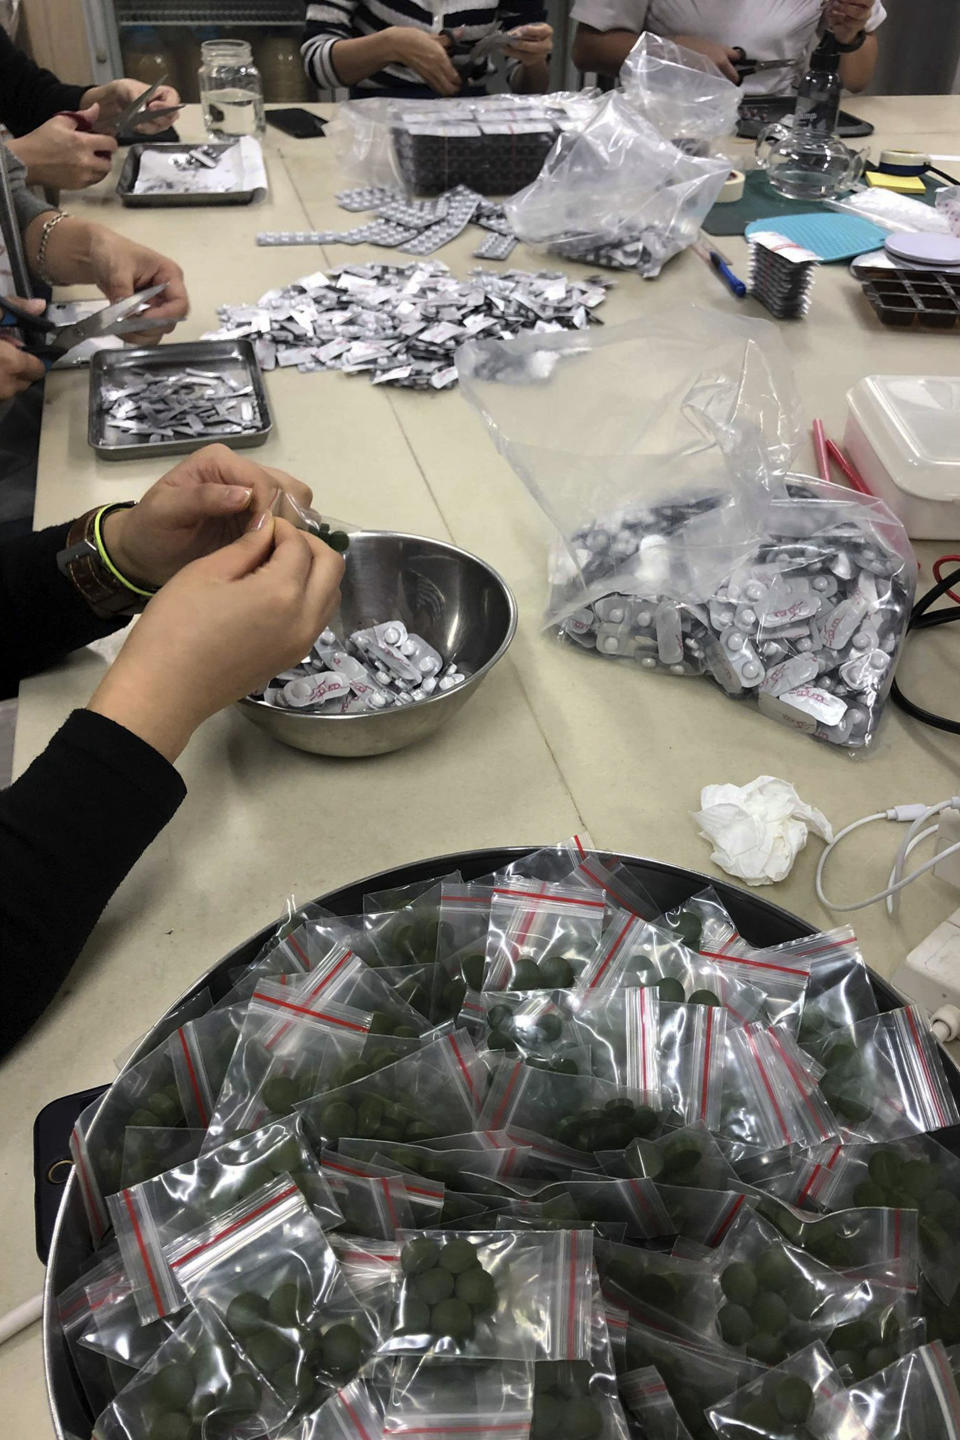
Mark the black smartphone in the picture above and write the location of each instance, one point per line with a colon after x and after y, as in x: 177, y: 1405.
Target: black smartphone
x: 301, y: 124
x: 51, y: 1160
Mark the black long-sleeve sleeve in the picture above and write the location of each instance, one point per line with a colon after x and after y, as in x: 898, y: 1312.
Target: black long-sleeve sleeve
x: 29, y: 95
x: 80, y: 817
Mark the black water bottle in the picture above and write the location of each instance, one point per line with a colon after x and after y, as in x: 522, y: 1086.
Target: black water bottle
x: 818, y: 95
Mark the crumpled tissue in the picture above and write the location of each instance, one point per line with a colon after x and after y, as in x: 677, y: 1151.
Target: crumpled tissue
x: 757, y: 830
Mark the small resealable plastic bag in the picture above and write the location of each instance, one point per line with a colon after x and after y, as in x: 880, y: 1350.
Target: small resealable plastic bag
x: 916, y: 1173
x: 578, y: 1398
x: 534, y: 1024
x: 689, y: 1156
x: 342, y: 976
x: 148, y: 1150
x: 355, y: 1412
x: 459, y: 1400
x: 702, y: 1217
x: 847, y: 1240
x: 622, y: 1030
x: 647, y: 1401
x: 885, y: 1079
x: 571, y: 863
x: 916, y: 1396
x: 296, y: 948
x: 799, y: 1175
x: 492, y: 1295
x: 452, y: 1165
x: 692, y: 1049
x: 540, y: 936
x: 543, y: 1159
x: 697, y: 1372
x: 437, y: 1090
x: 781, y: 978
x: 702, y: 923
x: 149, y: 1218
x: 577, y: 1111
x: 607, y: 1200
x: 839, y: 991
x: 407, y: 935
x: 201, y: 1051
x: 100, y: 1379
x: 198, y: 1382
x: 804, y: 1395
x: 115, y: 1329
x: 880, y: 1321
x: 266, y: 1273
x: 769, y: 1098
x: 288, y: 1051
x: 461, y: 946
x: 375, y: 1203
x: 659, y: 1289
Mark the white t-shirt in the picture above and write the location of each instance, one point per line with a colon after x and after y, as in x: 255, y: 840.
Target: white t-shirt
x: 766, y: 29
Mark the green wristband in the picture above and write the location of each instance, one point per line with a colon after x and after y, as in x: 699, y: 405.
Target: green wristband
x: 102, y: 552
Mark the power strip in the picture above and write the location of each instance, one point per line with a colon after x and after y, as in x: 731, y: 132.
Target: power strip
x: 930, y: 975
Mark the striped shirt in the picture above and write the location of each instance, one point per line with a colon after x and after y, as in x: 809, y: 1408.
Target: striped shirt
x: 333, y: 20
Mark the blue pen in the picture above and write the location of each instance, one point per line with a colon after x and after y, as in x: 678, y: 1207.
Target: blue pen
x: 721, y: 265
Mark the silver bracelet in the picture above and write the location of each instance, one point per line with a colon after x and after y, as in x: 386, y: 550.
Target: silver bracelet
x: 48, y: 228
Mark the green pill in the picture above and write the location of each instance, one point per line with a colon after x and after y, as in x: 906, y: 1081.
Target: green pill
x: 736, y: 1324
x: 370, y: 1115
x: 433, y: 1285
x: 883, y: 1167
x: 141, y: 1118
x: 501, y: 1040
x: 526, y: 975
x: 285, y: 1158
x: 342, y: 1349
x: 776, y: 1271
x: 246, y: 1313
x: 337, y: 1118
x: 703, y: 997
x: 280, y: 1094
x: 166, y: 1107
x: 477, y: 1288
x: 416, y: 1130
x: 293, y: 1382
x: 680, y: 1159
x: 739, y: 1283
x: 769, y: 1312
x: 415, y: 1316
x: 670, y: 990
x: 500, y: 1017
x: 761, y: 1415
x: 173, y: 1387
x: 242, y: 1396
x: 549, y: 1028
x: 557, y: 972
x: 688, y: 928
x: 175, y: 1425
x: 418, y: 1256
x: 285, y: 1307
x: 458, y: 1255
x: 869, y: 1194
x: 582, y: 1420
x: 269, y: 1350
x: 549, y: 1418
x: 452, y: 1317
x: 766, y: 1349
x: 918, y: 1178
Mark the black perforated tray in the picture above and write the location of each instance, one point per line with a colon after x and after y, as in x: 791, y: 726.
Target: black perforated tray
x: 929, y: 298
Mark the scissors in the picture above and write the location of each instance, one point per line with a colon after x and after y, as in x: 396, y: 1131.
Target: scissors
x: 48, y: 341
x: 746, y: 66
x: 135, y: 111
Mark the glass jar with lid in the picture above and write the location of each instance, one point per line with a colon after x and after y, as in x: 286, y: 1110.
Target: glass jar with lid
x: 231, y: 90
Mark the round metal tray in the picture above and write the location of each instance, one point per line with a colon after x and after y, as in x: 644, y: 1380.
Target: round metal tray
x: 761, y: 922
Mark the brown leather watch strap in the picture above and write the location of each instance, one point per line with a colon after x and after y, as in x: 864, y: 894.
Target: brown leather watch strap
x: 80, y: 562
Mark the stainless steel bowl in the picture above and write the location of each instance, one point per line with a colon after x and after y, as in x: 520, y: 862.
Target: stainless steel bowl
x: 458, y: 603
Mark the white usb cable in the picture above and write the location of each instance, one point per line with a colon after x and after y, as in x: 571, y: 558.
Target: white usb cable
x: 917, y: 816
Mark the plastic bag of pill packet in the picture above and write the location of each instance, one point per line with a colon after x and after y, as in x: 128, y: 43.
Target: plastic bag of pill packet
x: 702, y: 922
x: 781, y: 981
x: 354, y: 1413
x: 150, y: 1217
x: 570, y: 862
x: 150, y: 1149
x: 491, y: 1295
x: 692, y: 1050
x: 622, y: 1030
x: 703, y: 1217
x: 578, y: 1111
x: 914, y: 1399
x: 680, y: 91
x: 848, y: 1239
x: 376, y: 1202
x: 267, y: 1273
x: 606, y: 1201
x: 769, y: 1099
x: 579, y: 1398
x: 408, y: 935
x: 916, y: 1173
x: 343, y: 977
x: 647, y: 1401
x: 696, y: 1372
x: 881, y: 1321
x: 114, y: 1328
x: 437, y: 1090
x: 802, y: 1396
x: 461, y: 946
x: 198, y: 1378
x: 534, y: 1024
x: 452, y: 1399
x: 541, y: 936
x: 288, y: 1050
x: 689, y: 1156
x: 838, y: 992
x: 657, y: 1289
x: 885, y: 1079
x: 99, y: 1378
x: 201, y: 1052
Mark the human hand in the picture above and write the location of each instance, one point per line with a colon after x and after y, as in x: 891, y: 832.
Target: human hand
x: 723, y: 56
x: 425, y: 53
x: 18, y: 370
x: 120, y: 268
x: 531, y: 44
x: 221, y: 628
x: 62, y: 156
x: 199, y: 506
x: 846, y: 18
x: 114, y: 98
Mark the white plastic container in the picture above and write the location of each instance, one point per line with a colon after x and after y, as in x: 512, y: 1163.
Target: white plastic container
x: 903, y: 435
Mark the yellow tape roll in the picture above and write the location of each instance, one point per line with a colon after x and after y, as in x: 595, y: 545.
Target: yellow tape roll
x: 732, y: 188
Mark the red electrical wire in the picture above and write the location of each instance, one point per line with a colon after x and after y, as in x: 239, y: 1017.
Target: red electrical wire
x: 943, y: 560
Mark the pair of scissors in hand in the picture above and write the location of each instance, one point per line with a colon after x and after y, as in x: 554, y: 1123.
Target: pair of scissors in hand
x: 48, y: 341
x: 137, y: 111
x: 744, y: 65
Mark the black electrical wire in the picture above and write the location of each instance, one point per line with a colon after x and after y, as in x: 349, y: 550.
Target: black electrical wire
x: 920, y: 619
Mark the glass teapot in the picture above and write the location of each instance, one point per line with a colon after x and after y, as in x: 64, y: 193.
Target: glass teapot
x: 806, y: 164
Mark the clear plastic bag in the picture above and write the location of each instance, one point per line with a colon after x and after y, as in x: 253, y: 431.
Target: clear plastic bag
x: 150, y: 1149
x: 570, y: 863
x: 702, y: 1216
x: 376, y: 1203
x: 435, y: 1091
x: 534, y: 1024
x: 911, y: 1174
x: 453, y: 1160
x: 461, y: 946
x: 266, y: 1273
x: 679, y: 91
x: 606, y: 1201
x: 575, y: 1110
x: 689, y: 1156
x: 622, y: 1030
x: 99, y: 1379
x: 407, y: 934
x: 354, y: 1413
x: 782, y: 985
x: 578, y: 1399
x: 697, y: 1373
x: 540, y: 937
x: 198, y: 1378
x: 838, y: 992
x: 880, y: 1321
x: 149, y: 1218
x: 617, y: 193
x: 803, y: 1395
x: 885, y: 1079
x: 848, y: 1239
x: 288, y: 1051
x: 692, y: 1048
x: 495, y: 1295
x: 915, y: 1397
x: 115, y: 1329
x: 769, y: 1099
x: 201, y: 1052
x: 451, y: 1400
x: 341, y: 975
x: 659, y: 1289
x: 702, y: 923
x: 647, y: 1399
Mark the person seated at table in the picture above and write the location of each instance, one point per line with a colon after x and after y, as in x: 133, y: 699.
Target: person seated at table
x: 61, y: 249
x: 56, y: 153
x: 380, y: 48
x: 607, y: 31
x: 232, y: 596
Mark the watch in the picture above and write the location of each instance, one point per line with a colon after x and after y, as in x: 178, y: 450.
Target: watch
x: 851, y: 45
x: 82, y: 564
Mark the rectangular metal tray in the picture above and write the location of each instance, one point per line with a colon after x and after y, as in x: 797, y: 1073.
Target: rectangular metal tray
x: 131, y: 168
x: 231, y: 357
